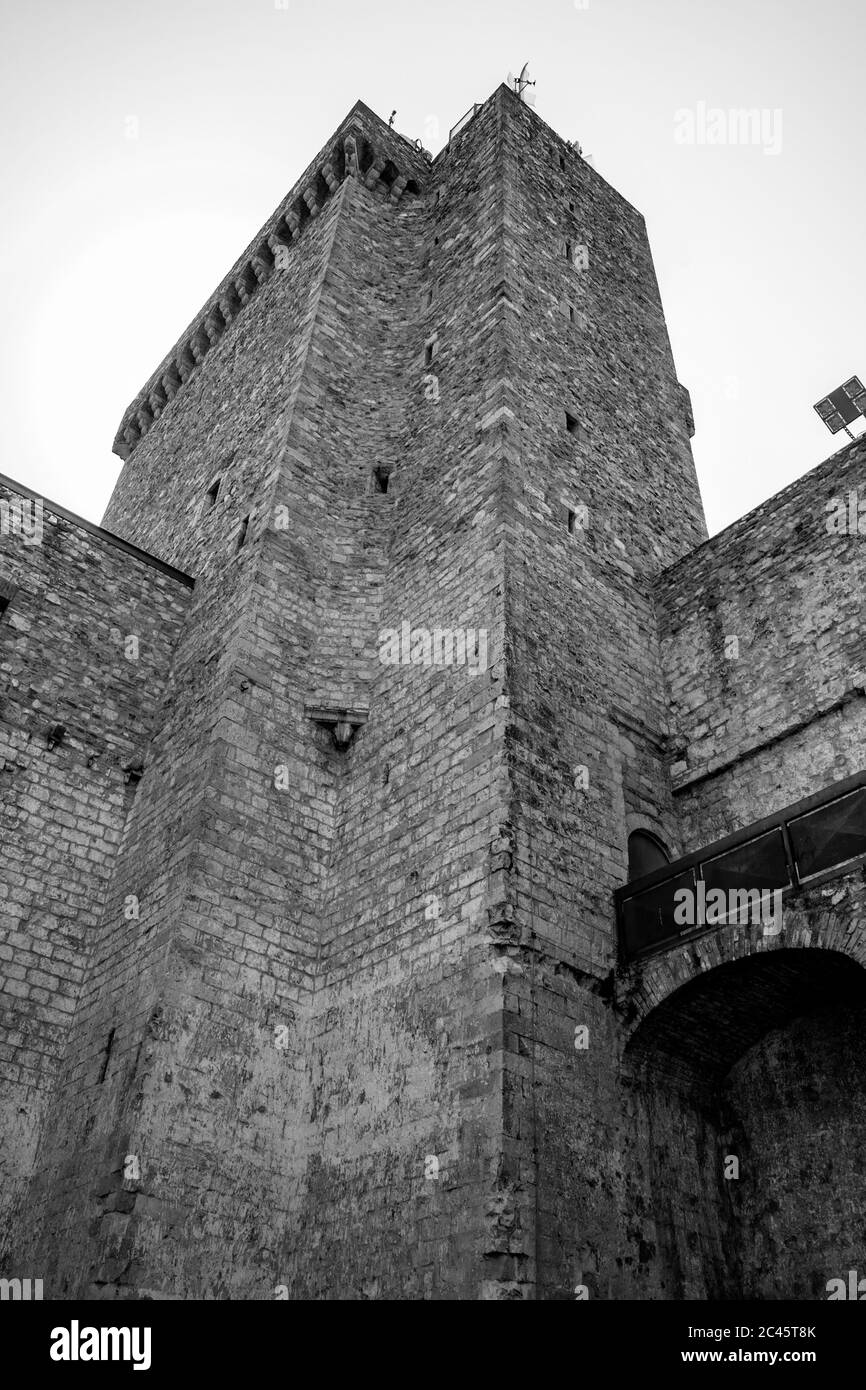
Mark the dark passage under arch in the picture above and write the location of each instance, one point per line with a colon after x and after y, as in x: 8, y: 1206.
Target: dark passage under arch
x: 698, y: 1033
x: 748, y: 1091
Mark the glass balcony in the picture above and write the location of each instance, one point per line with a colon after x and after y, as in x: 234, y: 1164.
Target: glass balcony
x: 822, y: 835
x: 830, y: 835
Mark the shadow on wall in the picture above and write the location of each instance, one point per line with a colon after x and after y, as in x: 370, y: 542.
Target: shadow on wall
x: 749, y: 1090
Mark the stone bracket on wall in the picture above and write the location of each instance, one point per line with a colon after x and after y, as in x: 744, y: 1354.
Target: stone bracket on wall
x: 343, y: 722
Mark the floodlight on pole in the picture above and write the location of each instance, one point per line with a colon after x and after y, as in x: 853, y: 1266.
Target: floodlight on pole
x: 843, y: 406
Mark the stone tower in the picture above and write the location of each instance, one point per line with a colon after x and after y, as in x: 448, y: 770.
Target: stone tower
x: 403, y: 627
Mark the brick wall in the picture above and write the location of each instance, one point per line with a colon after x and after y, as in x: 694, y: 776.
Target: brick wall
x: 587, y: 725
x: 222, y: 865
x: 86, y: 643
x: 800, y: 1106
x: 784, y: 713
x: 306, y: 912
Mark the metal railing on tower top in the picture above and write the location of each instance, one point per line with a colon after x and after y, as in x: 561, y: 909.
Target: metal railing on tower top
x: 464, y: 120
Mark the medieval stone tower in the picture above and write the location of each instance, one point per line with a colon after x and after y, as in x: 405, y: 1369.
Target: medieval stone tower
x: 347, y: 774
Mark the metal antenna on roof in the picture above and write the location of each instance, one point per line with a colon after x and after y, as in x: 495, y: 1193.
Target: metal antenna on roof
x: 523, y: 81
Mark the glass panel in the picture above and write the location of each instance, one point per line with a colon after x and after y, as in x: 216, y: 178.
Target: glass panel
x: 755, y: 868
x: 830, y: 835
x: 648, y: 918
x: 757, y: 864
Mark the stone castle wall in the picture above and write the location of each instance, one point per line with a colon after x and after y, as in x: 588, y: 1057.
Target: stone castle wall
x: 85, y: 643
x: 586, y: 741
x: 260, y: 1070
x: 337, y: 1049
x: 784, y: 713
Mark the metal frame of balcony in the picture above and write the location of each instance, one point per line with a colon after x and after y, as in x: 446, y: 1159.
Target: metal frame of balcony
x: 780, y: 820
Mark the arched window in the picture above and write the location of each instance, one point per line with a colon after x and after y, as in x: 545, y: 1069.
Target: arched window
x: 645, y: 854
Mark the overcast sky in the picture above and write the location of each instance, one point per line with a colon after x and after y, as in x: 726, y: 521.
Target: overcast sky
x: 145, y: 143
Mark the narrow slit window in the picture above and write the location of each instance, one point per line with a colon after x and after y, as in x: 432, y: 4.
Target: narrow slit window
x: 571, y: 313
x: 242, y: 534
x: 380, y: 479
x: 212, y: 493
x: 106, y: 1056
x: 133, y: 771
x: 572, y: 424
x: 429, y: 353
x: 571, y: 520
x: 568, y: 253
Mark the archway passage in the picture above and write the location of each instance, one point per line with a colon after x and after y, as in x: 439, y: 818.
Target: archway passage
x: 797, y: 1118
x: 698, y: 1033
x: 750, y: 1084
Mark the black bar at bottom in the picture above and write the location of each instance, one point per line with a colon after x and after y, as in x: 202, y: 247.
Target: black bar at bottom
x: 289, y: 1342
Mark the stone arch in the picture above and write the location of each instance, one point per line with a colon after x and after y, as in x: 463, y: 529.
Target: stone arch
x: 646, y: 851
x: 655, y: 825
x: 745, y: 1085
x: 700, y: 1031
x: 811, y: 923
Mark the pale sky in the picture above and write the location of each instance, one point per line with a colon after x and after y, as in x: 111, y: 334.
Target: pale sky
x: 146, y: 143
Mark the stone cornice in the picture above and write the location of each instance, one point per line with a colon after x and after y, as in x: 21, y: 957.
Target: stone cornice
x: 363, y: 147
